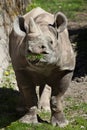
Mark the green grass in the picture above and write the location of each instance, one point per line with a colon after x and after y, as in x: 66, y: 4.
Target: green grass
x: 79, y: 123
x: 33, y: 57
x: 69, y: 7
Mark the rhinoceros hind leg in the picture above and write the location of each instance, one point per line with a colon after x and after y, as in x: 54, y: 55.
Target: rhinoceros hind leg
x: 44, y: 102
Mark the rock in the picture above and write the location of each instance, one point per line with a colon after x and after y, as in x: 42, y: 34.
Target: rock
x: 7, y: 16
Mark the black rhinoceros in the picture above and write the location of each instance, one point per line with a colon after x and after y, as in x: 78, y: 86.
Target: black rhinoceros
x: 41, y: 54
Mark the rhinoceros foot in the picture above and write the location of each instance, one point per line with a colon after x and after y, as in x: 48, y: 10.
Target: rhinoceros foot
x: 30, y: 117
x: 59, y: 120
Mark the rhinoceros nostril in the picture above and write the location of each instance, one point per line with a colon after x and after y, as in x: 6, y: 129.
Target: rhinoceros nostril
x: 43, y: 47
x: 29, y: 51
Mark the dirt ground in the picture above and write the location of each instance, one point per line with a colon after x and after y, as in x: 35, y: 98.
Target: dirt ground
x: 78, y: 88
x: 78, y: 91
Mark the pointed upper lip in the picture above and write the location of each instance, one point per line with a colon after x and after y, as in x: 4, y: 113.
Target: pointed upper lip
x: 44, y: 52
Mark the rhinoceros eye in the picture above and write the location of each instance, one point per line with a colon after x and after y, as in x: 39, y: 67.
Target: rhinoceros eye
x: 49, y: 39
x: 51, y: 42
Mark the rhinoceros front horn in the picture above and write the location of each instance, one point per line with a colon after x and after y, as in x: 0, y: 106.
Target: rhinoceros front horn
x: 19, y: 26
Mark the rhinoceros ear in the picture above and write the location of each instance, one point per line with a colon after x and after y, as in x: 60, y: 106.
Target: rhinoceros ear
x: 20, y: 27
x: 60, y: 21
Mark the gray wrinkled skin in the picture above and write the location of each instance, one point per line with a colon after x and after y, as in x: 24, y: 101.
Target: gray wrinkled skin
x: 42, y: 37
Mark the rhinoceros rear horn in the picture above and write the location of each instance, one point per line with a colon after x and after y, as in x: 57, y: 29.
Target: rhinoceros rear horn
x: 60, y: 21
x: 20, y: 27
x: 33, y: 27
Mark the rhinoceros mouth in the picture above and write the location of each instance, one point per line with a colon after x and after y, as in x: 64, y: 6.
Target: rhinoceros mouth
x: 34, y: 58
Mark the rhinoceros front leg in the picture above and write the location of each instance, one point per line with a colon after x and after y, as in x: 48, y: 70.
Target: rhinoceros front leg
x: 57, y: 114
x: 58, y: 117
x: 28, y: 92
x: 30, y: 99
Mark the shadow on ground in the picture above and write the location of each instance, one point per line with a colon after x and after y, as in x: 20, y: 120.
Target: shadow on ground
x: 8, y: 103
x: 78, y: 36
x: 81, y: 59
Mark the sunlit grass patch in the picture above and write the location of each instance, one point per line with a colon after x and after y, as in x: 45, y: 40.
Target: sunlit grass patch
x: 69, y: 7
x: 8, y: 78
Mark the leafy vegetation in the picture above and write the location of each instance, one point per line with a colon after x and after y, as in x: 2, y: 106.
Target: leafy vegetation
x: 34, y: 57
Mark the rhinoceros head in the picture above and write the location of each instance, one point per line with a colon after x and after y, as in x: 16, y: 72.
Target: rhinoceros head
x: 42, y: 41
